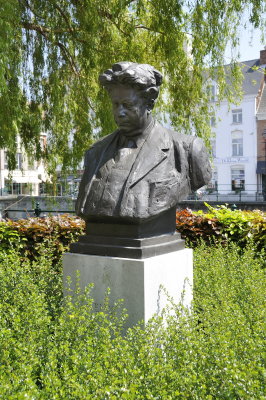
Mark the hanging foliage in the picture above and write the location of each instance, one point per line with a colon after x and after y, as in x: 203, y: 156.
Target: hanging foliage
x: 53, y: 51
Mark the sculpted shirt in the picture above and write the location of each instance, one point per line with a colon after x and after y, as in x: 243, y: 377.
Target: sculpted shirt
x: 108, y: 185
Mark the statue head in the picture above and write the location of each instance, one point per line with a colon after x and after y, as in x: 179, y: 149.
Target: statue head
x: 133, y: 89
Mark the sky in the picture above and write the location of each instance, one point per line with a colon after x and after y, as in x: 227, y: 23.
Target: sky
x: 250, y: 44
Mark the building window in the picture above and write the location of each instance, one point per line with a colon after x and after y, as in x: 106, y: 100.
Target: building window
x: 19, y: 160
x: 213, y: 184
x: 237, y: 116
x: 213, y: 122
x: 31, y: 163
x: 27, y: 188
x: 211, y: 90
x: 16, y: 188
x: 7, y: 187
x: 43, y: 143
x: 238, y: 178
x: 213, y: 146
x: 237, y: 144
x: 5, y: 160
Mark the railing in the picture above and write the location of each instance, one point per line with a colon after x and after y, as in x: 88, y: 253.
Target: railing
x: 37, y: 211
x: 225, y: 193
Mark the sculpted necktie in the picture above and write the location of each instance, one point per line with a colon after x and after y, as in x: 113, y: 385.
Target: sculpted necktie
x: 126, y: 142
x: 124, y: 147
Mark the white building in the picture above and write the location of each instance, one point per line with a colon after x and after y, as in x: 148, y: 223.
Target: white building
x: 235, y: 139
x: 27, y: 178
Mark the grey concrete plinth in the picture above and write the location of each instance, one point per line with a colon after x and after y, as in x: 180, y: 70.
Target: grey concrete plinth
x: 138, y: 282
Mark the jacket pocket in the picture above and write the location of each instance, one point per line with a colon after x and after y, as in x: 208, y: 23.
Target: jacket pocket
x: 163, y: 193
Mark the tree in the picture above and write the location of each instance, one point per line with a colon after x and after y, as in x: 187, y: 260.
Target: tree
x: 53, y: 51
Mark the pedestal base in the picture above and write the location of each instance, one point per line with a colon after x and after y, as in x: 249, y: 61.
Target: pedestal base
x: 128, y: 247
x: 138, y: 282
x: 124, y: 239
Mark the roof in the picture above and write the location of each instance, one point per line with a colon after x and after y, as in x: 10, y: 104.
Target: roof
x: 252, y: 78
x: 261, y: 112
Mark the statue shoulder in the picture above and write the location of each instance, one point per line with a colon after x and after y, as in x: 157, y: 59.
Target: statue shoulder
x: 200, y: 167
x: 98, y: 146
x: 182, y: 139
x: 192, y: 144
x: 102, y: 141
x: 197, y: 157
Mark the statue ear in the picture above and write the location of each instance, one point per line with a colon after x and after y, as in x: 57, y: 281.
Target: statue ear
x: 150, y: 105
x: 151, y: 95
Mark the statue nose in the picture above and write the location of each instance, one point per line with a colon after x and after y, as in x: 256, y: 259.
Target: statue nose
x: 121, y: 111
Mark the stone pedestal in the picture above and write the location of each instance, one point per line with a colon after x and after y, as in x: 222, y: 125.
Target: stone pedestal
x: 137, y: 281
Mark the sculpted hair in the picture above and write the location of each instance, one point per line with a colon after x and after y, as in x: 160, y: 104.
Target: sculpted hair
x: 143, y: 77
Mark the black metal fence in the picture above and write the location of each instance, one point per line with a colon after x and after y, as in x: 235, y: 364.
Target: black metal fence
x: 246, y: 192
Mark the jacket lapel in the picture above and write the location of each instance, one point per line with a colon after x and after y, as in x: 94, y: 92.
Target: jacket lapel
x: 93, y: 160
x: 154, y: 150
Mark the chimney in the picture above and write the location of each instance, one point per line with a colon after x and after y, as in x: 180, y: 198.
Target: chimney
x: 263, y: 56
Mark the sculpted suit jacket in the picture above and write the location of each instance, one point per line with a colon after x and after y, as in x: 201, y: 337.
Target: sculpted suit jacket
x: 168, y: 166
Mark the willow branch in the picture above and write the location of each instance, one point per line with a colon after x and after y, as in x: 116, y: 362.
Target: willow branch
x: 44, y: 32
x: 110, y: 18
x: 41, y: 28
x: 65, y: 18
x: 31, y: 8
x: 68, y: 57
x: 148, y: 29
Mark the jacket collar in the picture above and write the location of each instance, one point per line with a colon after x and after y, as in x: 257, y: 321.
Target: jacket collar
x: 153, y: 151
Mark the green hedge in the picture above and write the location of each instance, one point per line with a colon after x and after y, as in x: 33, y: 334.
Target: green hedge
x: 222, y: 223
x: 58, y: 232
x: 27, y: 235
x: 52, y: 349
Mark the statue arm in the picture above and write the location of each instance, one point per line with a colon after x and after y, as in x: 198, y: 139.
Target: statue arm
x: 92, y: 159
x: 84, y: 184
x: 87, y: 157
x: 199, y: 164
x: 192, y: 159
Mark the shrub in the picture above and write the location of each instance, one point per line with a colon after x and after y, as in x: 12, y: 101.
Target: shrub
x: 63, y: 350
x: 239, y: 225
x: 58, y: 232
x: 221, y: 224
x: 10, y: 237
x: 28, y: 235
x: 194, y: 228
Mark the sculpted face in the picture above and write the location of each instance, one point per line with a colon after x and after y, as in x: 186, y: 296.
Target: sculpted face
x: 130, y: 110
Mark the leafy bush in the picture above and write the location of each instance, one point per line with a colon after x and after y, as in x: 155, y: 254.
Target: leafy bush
x: 194, y: 227
x: 222, y: 223
x: 55, y: 349
x: 56, y: 232
x: 239, y: 225
x: 9, y: 236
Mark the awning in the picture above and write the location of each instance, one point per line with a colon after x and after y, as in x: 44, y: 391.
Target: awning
x: 25, y: 179
x: 261, y: 167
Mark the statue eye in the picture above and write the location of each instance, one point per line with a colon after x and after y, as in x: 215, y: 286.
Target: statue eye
x: 128, y: 105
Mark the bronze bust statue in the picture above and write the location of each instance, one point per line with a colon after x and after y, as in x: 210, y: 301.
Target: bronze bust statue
x: 139, y: 173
